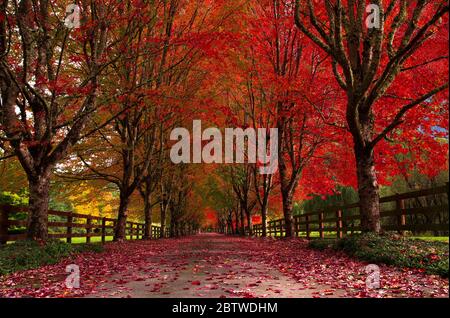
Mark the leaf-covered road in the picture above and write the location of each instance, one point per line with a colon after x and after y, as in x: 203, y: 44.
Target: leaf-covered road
x: 211, y: 265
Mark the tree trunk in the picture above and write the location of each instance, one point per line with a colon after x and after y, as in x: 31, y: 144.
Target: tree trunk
x: 237, y: 223
x: 264, y: 220
x: 368, y: 190
x: 163, y: 220
x: 38, y: 207
x: 287, y: 190
x: 242, y: 221
x: 120, y: 232
x: 249, y: 222
x: 287, y: 212
x: 173, y: 228
x: 148, y: 218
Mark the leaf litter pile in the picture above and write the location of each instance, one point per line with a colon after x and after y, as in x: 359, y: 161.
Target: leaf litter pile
x: 217, y: 266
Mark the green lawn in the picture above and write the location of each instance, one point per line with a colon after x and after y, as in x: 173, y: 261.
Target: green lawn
x: 95, y: 239
x: 314, y: 234
x: 332, y: 235
x: 82, y: 240
x: 431, y: 238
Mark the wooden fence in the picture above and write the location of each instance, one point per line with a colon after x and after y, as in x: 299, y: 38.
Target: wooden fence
x: 340, y: 220
x: 74, y: 225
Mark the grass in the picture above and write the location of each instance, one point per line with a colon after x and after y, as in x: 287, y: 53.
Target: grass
x: 23, y: 255
x: 431, y: 238
x: 94, y: 239
x: 430, y: 256
x: 332, y: 235
x: 82, y: 240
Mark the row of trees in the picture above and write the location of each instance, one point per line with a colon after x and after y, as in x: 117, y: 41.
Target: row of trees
x: 353, y: 101
x: 96, y: 102
x: 340, y: 91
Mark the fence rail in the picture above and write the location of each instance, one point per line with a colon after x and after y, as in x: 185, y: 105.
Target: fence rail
x: 91, y: 226
x: 340, y: 220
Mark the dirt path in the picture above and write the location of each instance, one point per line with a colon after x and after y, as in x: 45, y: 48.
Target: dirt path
x: 209, y: 265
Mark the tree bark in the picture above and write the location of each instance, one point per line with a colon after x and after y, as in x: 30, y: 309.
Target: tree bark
x: 237, y: 223
x: 163, y: 220
x: 287, y: 212
x: 249, y: 222
x: 120, y: 232
x: 38, y: 207
x: 147, y: 218
x: 287, y: 183
x: 368, y: 190
x: 264, y: 220
x: 242, y: 221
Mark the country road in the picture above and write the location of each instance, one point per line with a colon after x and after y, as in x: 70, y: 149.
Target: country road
x: 213, y: 265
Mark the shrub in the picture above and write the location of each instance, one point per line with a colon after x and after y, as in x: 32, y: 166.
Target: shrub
x: 431, y: 257
x: 321, y: 245
x: 23, y: 255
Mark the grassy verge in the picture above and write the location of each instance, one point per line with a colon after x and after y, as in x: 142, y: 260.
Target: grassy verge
x: 94, y: 239
x: 430, y: 256
x: 431, y: 238
x: 23, y: 255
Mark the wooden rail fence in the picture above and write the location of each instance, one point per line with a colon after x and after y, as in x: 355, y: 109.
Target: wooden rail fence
x: 340, y: 220
x: 91, y: 226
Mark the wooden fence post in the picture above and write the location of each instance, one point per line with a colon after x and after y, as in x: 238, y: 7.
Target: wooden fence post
x: 4, y: 215
x: 88, y: 229
x: 339, y: 224
x: 103, y: 230
x: 321, y: 225
x: 69, y: 228
x: 401, y: 219
x: 308, y: 233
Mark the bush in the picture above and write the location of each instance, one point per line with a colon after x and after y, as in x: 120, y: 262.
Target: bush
x: 431, y: 257
x: 23, y: 255
x: 321, y: 244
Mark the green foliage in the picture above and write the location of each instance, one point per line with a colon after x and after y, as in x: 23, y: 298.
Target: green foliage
x: 15, y: 199
x: 10, y: 198
x: 23, y: 255
x: 321, y: 244
x: 431, y: 257
x: 343, y: 196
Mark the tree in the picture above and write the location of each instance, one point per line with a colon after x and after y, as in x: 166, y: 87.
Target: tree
x: 294, y: 91
x: 49, y: 83
x: 373, y: 64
